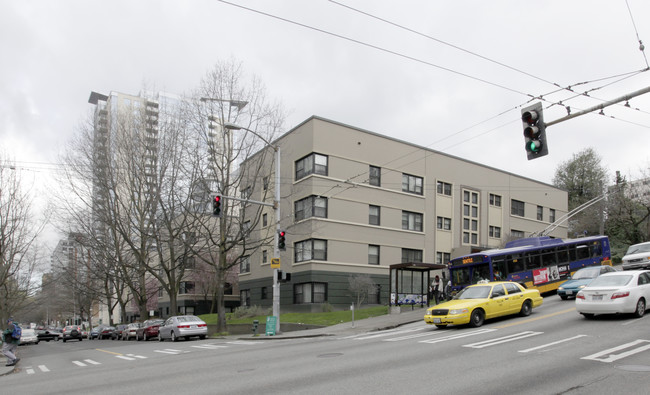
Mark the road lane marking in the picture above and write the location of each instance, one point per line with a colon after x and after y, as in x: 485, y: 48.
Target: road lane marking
x: 458, y: 335
x: 29, y: 370
x: 541, y: 317
x: 245, y: 343
x: 79, y: 363
x: 43, y: 368
x: 504, y: 339
x: 413, y: 336
x: 125, y: 357
x: 110, y: 352
x: 169, y: 351
x: 609, y: 356
x: 90, y: 361
x: 551, y: 344
x: 388, y: 333
x: 210, y: 346
x: 136, y: 356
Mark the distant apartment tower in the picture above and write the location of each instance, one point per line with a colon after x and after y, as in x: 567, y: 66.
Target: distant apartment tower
x: 354, y: 202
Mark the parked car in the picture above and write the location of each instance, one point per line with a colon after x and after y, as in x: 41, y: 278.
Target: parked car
x: 130, y: 331
x: 637, y: 257
x: 581, y: 279
x: 478, y: 302
x: 149, y: 329
x: 48, y: 334
x: 94, y: 333
x: 106, y: 332
x: 117, y: 333
x: 28, y: 336
x: 72, y: 332
x: 615, y: 293
x: 184, y: 326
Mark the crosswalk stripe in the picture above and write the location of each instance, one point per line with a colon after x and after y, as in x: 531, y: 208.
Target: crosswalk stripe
x: 29, y: 370
x: 125, y: 357
x: 79, y: 363
x: 244, y: 342
x: 388, y: 333
x: 168, y: 351
x: 458, y: 336
x: 408, y: 337
x: 43, y: 368
x: 552, y: 344
x: 611, y: 357
x: 136, y: 356
x: 90, y: 361
x: 209, y: 346
x: 504, y: 339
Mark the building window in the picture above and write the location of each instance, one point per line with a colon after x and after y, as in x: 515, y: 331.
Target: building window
x: 374, y: 213
x: 551, y: 215
x: 443, y: 188
x: 373, y: 254
x: 411, y: 221
x: 442, y: 257
x: 310, y: 293
x: 517, y: 234
x: 245, y: 265
x: 265, y: 183
x: 495, y: 200
x: 517, y: 208
x: 245, y: 297
x: 311, y: 164
x: 264, y: 293
x: 374, y: 177
x: 312, y: 249
x: 265, y: 256
x: 186, y: 287
x: 411, y: 256
x: 495, y: 231
x: 540, y: 213
x: 412, y: 184
x: 312, y: 206
x: 470, y: 217
x: 443, y: 223
x: 189, y: 262
x: 265, y: 220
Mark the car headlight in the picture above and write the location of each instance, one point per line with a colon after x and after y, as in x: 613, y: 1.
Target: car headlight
x: 458, y: 311
x: 582, y: 286
x: 560, y: 288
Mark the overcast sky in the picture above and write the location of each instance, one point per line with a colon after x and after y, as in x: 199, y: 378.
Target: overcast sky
x: 448, y: 75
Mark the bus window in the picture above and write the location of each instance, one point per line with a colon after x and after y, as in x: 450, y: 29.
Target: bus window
x: 548, y: 257
x: 582, y: 251
x: 460, y: 276
x: 562, y: 255
x: 499, y: 268
x: 481, y: 272
x: 596, y: 249
x: 572, y: 253
x: 514, y: 263
x: 533, y: 260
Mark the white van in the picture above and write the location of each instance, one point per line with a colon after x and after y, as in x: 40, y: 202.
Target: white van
x: 637, y: 257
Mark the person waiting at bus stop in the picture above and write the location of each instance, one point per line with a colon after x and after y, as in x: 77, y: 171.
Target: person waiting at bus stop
x: 435, y: 288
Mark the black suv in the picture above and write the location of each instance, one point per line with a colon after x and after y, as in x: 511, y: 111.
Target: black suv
x: 72, y: 332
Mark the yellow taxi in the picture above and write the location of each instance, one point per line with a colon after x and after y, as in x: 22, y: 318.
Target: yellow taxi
x: 479, y: 302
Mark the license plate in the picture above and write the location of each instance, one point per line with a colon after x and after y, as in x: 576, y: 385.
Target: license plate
x: 597, y: 297
x: 436, y: 320
x: 569, y: 292
x: 193, y: 326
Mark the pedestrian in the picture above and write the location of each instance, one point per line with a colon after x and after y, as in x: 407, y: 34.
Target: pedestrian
x: 436, y: 288
x: 9, y: 343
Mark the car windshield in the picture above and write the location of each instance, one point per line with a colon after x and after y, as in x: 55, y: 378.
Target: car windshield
x: 586, y: 273
x: 635, y: 249
x: 480, y: 292
x: 611, y: 281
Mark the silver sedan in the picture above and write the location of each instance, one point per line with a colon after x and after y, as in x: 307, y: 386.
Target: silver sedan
x: 182, y: 326
x: 615, y: 293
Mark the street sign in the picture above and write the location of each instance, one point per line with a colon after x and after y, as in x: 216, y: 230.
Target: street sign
x: 271, y: 322
x: 275, y: 263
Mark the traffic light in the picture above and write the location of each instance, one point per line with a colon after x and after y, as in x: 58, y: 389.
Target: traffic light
x: 534, y: 131
x: 282, y: 246
x: 216, y: 206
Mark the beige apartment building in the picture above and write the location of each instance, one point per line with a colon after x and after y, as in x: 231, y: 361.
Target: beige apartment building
x: 355, y: 202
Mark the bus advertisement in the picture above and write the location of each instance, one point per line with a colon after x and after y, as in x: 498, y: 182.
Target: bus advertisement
x: 536, y: 262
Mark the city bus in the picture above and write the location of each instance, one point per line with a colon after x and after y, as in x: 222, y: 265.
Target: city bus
x: 535, y: 262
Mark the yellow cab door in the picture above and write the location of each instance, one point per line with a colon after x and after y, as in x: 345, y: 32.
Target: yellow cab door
x: 514, y: 298
x: 497, y: 304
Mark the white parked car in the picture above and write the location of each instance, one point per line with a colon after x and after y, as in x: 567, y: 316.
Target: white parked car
x: 637, y: 257
x: 182, y: 326
x: 615, y: 293
x: 28, y: 337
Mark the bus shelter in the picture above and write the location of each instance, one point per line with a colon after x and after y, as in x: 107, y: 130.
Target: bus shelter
x: 409, y: 283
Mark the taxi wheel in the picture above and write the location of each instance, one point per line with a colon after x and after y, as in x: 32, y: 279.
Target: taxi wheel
x: 526, y: 308
x: 477, y: 318
x: 640, y: 308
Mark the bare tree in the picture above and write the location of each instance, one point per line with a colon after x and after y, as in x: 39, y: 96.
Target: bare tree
x: 361, y: 285
x: 628, y: 213
x: 18, y: 235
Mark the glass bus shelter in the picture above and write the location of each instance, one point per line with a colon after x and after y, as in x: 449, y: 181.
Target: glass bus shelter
x: 409, y: 283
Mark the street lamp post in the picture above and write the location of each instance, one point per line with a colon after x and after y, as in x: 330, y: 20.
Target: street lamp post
x: 276, y: 208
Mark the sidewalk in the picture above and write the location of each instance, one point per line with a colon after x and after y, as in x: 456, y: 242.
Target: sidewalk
x: 383, y: 322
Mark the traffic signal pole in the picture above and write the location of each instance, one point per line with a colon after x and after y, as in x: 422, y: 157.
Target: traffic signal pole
x: 600, y: 106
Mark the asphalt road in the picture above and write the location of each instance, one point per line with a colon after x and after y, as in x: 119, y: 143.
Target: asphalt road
x: 553, y: 351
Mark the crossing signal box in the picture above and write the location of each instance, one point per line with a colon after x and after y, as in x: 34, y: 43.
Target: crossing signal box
x: 216, y: 206
x: 534, y: 131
